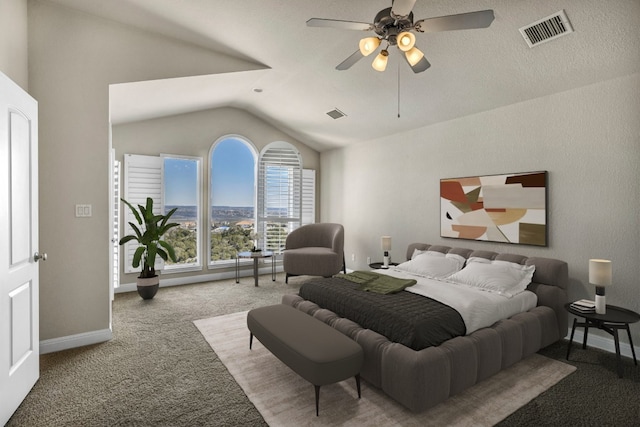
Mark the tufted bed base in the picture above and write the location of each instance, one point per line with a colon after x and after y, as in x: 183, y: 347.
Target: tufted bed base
x: 422, y: 379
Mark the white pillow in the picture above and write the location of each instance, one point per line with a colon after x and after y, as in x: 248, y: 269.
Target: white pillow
x: 478, y: 259
x: 427, y: 252
x: 432, y: 264
x: 417, y: 252
x: 502, y: 277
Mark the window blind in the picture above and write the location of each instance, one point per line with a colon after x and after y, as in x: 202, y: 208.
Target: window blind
x: 116, y: 223
x: 279, y: 194
x: 308, y: 196
x: 142, y: 178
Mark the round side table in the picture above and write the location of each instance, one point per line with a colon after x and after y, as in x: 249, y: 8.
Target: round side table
x: 256, y: 256
x: 379, y: 265
x: 615, y: 318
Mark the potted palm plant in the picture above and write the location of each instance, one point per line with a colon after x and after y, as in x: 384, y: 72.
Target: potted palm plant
x: 148, y: 234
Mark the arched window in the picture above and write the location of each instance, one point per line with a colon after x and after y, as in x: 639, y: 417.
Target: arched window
x: 279, y: 194
x: 232, y: 198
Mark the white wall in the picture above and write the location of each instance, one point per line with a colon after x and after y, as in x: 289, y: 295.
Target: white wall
x: 588, y: 139
x: 13, y: 41
x: 73, y: 58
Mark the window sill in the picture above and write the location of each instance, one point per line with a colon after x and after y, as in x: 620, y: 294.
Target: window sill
x: 186, y: 269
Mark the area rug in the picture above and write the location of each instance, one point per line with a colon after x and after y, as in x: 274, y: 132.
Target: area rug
x: 285, y: 399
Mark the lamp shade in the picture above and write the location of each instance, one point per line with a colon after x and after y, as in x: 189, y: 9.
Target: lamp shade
x: 386, y: 243
x: 414, y: 55
x: 406, y: 41
x: 600, y: 272
x: 368, y: 45
x: 380, y: 62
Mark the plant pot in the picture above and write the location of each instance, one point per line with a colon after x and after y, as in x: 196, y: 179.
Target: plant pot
x: 148, y: 286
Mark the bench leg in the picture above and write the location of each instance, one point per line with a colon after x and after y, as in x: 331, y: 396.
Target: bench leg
x: 250, y: 340
x: 317, y: 387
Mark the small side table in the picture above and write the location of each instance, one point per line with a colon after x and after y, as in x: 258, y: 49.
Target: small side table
x: 615, y: 318
x: 256, y: 256
x: 378, y: 265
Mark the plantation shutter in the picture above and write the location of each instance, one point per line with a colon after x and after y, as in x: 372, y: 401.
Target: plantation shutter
x: 116, y: 224
x: 279, y: 195
x: 142, y: 179
x: 308, y: 196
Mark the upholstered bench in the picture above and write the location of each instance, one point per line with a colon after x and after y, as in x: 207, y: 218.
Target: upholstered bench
x: 311, y: 348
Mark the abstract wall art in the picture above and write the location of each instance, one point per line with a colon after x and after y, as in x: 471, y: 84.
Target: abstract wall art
x: 509, y: 208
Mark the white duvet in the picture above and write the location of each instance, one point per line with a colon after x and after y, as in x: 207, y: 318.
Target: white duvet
x: 478, y: 308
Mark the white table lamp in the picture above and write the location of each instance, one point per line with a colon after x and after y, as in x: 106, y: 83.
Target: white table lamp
x: 600, y: 275
x: 386, y: 247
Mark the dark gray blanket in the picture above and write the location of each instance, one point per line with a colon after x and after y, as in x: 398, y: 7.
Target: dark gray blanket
x: 406, y: 318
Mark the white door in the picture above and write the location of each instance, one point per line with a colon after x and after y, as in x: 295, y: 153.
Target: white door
x: 19, y: 317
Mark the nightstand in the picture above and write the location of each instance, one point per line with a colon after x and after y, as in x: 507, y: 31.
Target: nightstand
x: 615, y: 318
x: 378, y: 265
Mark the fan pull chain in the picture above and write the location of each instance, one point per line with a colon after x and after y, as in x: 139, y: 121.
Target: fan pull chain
x: 398, y: 89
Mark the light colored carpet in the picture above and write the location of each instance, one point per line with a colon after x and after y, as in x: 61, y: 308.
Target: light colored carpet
x: 285, y: 399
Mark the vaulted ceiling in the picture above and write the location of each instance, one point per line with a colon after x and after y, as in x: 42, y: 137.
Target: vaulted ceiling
x: 293, y: 83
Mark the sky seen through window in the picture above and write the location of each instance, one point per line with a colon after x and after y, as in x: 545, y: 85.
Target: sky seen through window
x: 231, y: 178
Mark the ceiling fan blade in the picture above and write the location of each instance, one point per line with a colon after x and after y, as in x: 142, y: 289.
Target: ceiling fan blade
x: 352, y: 59
x: 336, y: 23
x: 462, y: 21
x: 402, y: 8
x: 422, y: 65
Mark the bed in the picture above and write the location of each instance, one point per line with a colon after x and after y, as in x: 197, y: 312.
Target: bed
x: 421, y: 369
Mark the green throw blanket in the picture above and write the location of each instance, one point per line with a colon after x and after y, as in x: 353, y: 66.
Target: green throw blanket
x: 375, y: 282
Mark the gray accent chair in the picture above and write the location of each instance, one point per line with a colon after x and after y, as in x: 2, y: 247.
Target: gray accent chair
x: 314, y: 250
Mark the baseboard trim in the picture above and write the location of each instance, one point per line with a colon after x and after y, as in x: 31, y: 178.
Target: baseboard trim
x: 190, y: 280
x: 73, y: 341
x: 602, y: 343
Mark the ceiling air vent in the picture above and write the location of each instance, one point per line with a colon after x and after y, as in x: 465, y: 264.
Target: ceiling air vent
x: 547, y: 29
x: 336, y: 114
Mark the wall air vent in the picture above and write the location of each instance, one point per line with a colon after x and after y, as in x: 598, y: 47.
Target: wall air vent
x: 336, y: 114
x: 547, y: 29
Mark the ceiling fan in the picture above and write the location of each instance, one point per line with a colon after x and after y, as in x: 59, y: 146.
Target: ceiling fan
x: 394, y: 25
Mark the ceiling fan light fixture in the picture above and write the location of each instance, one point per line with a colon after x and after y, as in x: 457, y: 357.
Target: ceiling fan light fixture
x: 380, y: 62
x: 406, y: 41
x: 414, y: 55
x: 396, y: 26
x: 368, y: 45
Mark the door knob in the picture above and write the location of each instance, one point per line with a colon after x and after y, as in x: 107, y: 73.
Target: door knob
x: 37, y: 257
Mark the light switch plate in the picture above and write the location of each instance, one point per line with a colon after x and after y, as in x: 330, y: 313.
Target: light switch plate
x: 83, y: 211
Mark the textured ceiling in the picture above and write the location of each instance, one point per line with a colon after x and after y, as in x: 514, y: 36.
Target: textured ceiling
x: 471, y: 71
